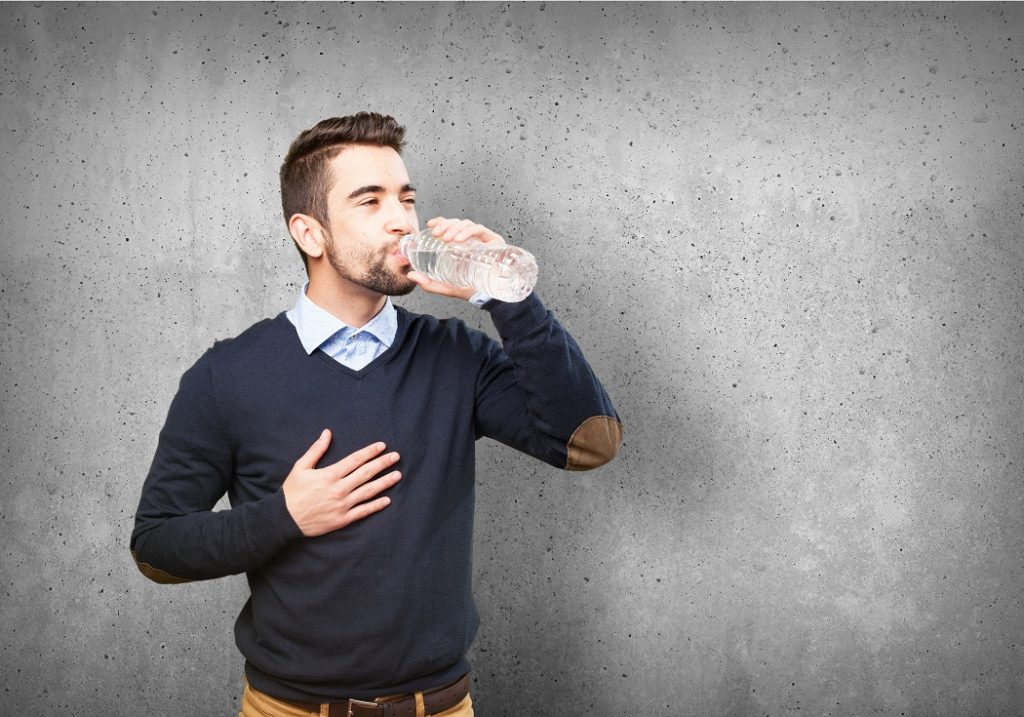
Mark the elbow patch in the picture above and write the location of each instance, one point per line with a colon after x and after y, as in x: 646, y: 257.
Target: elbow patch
x: 593, y: 443
x: 157, y: 575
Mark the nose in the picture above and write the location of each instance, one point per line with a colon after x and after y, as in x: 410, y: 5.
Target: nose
x: 401, y: 220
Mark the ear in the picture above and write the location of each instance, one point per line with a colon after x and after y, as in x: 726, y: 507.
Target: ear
x: 309, y: 234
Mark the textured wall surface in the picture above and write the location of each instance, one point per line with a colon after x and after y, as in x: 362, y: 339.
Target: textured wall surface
x: 787, y: 236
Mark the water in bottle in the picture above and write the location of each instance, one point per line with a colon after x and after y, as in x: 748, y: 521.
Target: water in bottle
x: 504, y: 272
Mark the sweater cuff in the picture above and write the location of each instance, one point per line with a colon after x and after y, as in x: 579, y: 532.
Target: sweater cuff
x: 272, y: 525
x: 517, y: 318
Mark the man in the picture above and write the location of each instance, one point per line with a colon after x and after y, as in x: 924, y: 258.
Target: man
x: 359, y: 569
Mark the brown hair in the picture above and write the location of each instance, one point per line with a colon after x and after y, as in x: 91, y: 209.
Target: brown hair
x: 305, y: 176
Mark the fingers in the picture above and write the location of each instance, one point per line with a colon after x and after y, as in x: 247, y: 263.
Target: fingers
x: 454, y: 230
x: 438, y: 287
x: 364, y: 509
x: 459, y: 230
x: 366, y: 471
x: 357, y: 494
x: 322, y: 500
x: 353, y: 460
x: 365, y: 492
x: 311, y: 457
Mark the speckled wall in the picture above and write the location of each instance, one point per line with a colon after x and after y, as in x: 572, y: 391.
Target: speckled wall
x: 787, y: 236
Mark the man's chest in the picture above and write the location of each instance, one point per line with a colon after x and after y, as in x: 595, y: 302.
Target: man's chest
x: 278, y: 418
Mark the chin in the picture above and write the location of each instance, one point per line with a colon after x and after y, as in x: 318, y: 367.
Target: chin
x: 388, y: 283
x: 403, y: 289
x: 399, y: 284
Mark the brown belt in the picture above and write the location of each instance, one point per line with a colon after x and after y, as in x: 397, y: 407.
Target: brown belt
x: 439, y: 700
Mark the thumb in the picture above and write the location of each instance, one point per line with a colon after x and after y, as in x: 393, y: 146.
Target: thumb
x: 433, y: 286
x: 316, y: 451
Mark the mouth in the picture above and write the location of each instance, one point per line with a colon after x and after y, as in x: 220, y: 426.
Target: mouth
x: 400, y: 257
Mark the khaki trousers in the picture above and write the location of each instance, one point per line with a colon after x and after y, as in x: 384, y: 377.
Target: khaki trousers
x: 260, y: 704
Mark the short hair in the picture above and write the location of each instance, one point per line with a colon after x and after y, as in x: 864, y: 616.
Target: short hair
x: 305, y: 175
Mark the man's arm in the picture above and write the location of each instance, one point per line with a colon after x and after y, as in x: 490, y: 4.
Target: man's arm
x: 538, y: 394
x: 178, y: 537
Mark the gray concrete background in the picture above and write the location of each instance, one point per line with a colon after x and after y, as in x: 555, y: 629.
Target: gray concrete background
x: 788, y: 237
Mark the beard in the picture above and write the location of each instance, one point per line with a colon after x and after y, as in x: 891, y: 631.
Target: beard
x: 375, y: 276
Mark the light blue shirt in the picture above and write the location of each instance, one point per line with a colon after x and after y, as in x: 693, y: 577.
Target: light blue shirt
x: 351, y: 347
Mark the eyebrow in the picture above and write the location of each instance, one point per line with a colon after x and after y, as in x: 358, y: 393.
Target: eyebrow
x: 376, y: 189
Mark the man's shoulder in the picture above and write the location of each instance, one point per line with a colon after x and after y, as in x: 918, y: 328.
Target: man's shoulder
x: 429, y: 328
x: 240, y: 360
x: 266, y: 335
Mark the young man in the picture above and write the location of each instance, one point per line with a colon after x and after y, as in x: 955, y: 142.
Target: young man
x: 359, y: 569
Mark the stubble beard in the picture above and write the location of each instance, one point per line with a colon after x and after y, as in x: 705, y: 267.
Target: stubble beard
x: 376, y: 277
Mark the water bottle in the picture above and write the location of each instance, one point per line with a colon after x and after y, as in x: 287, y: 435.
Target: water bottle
x: 504, y: 272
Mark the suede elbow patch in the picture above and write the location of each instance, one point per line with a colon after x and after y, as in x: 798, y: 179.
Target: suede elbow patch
x: 593, y: 443
x: 157, y: 575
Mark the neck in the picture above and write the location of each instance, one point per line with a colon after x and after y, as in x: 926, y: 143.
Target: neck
x: 353, y: 304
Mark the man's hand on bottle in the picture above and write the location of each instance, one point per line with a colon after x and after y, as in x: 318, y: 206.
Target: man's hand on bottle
x: 454, y: 230
x: 322, y: 500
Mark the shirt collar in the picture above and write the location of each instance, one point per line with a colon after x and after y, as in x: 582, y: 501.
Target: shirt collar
x: 315, y: 325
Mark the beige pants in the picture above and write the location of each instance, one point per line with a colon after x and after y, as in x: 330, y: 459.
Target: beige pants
x: 260, y: 704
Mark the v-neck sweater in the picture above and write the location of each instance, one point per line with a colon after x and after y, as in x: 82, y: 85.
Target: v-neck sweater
x: 383, y: 605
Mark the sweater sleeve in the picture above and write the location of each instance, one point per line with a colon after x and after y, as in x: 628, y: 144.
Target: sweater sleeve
x: 536, y: 392
x: 178, y: 537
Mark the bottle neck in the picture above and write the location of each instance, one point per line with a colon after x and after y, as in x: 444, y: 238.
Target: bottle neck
x: 405, y: 242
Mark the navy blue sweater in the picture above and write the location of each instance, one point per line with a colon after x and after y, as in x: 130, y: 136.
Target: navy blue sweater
x: 383, y: 605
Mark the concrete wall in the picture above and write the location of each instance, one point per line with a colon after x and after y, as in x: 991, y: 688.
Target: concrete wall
x: 788, y: 237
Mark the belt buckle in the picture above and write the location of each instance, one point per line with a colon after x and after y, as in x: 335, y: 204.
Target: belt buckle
x: 371, y: 708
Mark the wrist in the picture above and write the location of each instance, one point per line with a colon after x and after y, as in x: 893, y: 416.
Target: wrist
x: 479, y: 299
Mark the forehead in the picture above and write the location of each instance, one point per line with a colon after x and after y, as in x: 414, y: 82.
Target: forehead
x: 361, y: 165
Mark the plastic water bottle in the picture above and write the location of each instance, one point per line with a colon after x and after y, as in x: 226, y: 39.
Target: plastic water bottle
x: 507, y: 273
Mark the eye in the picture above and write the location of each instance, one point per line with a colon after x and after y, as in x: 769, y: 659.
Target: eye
x: 409, y: 200
x: 368, y: 202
